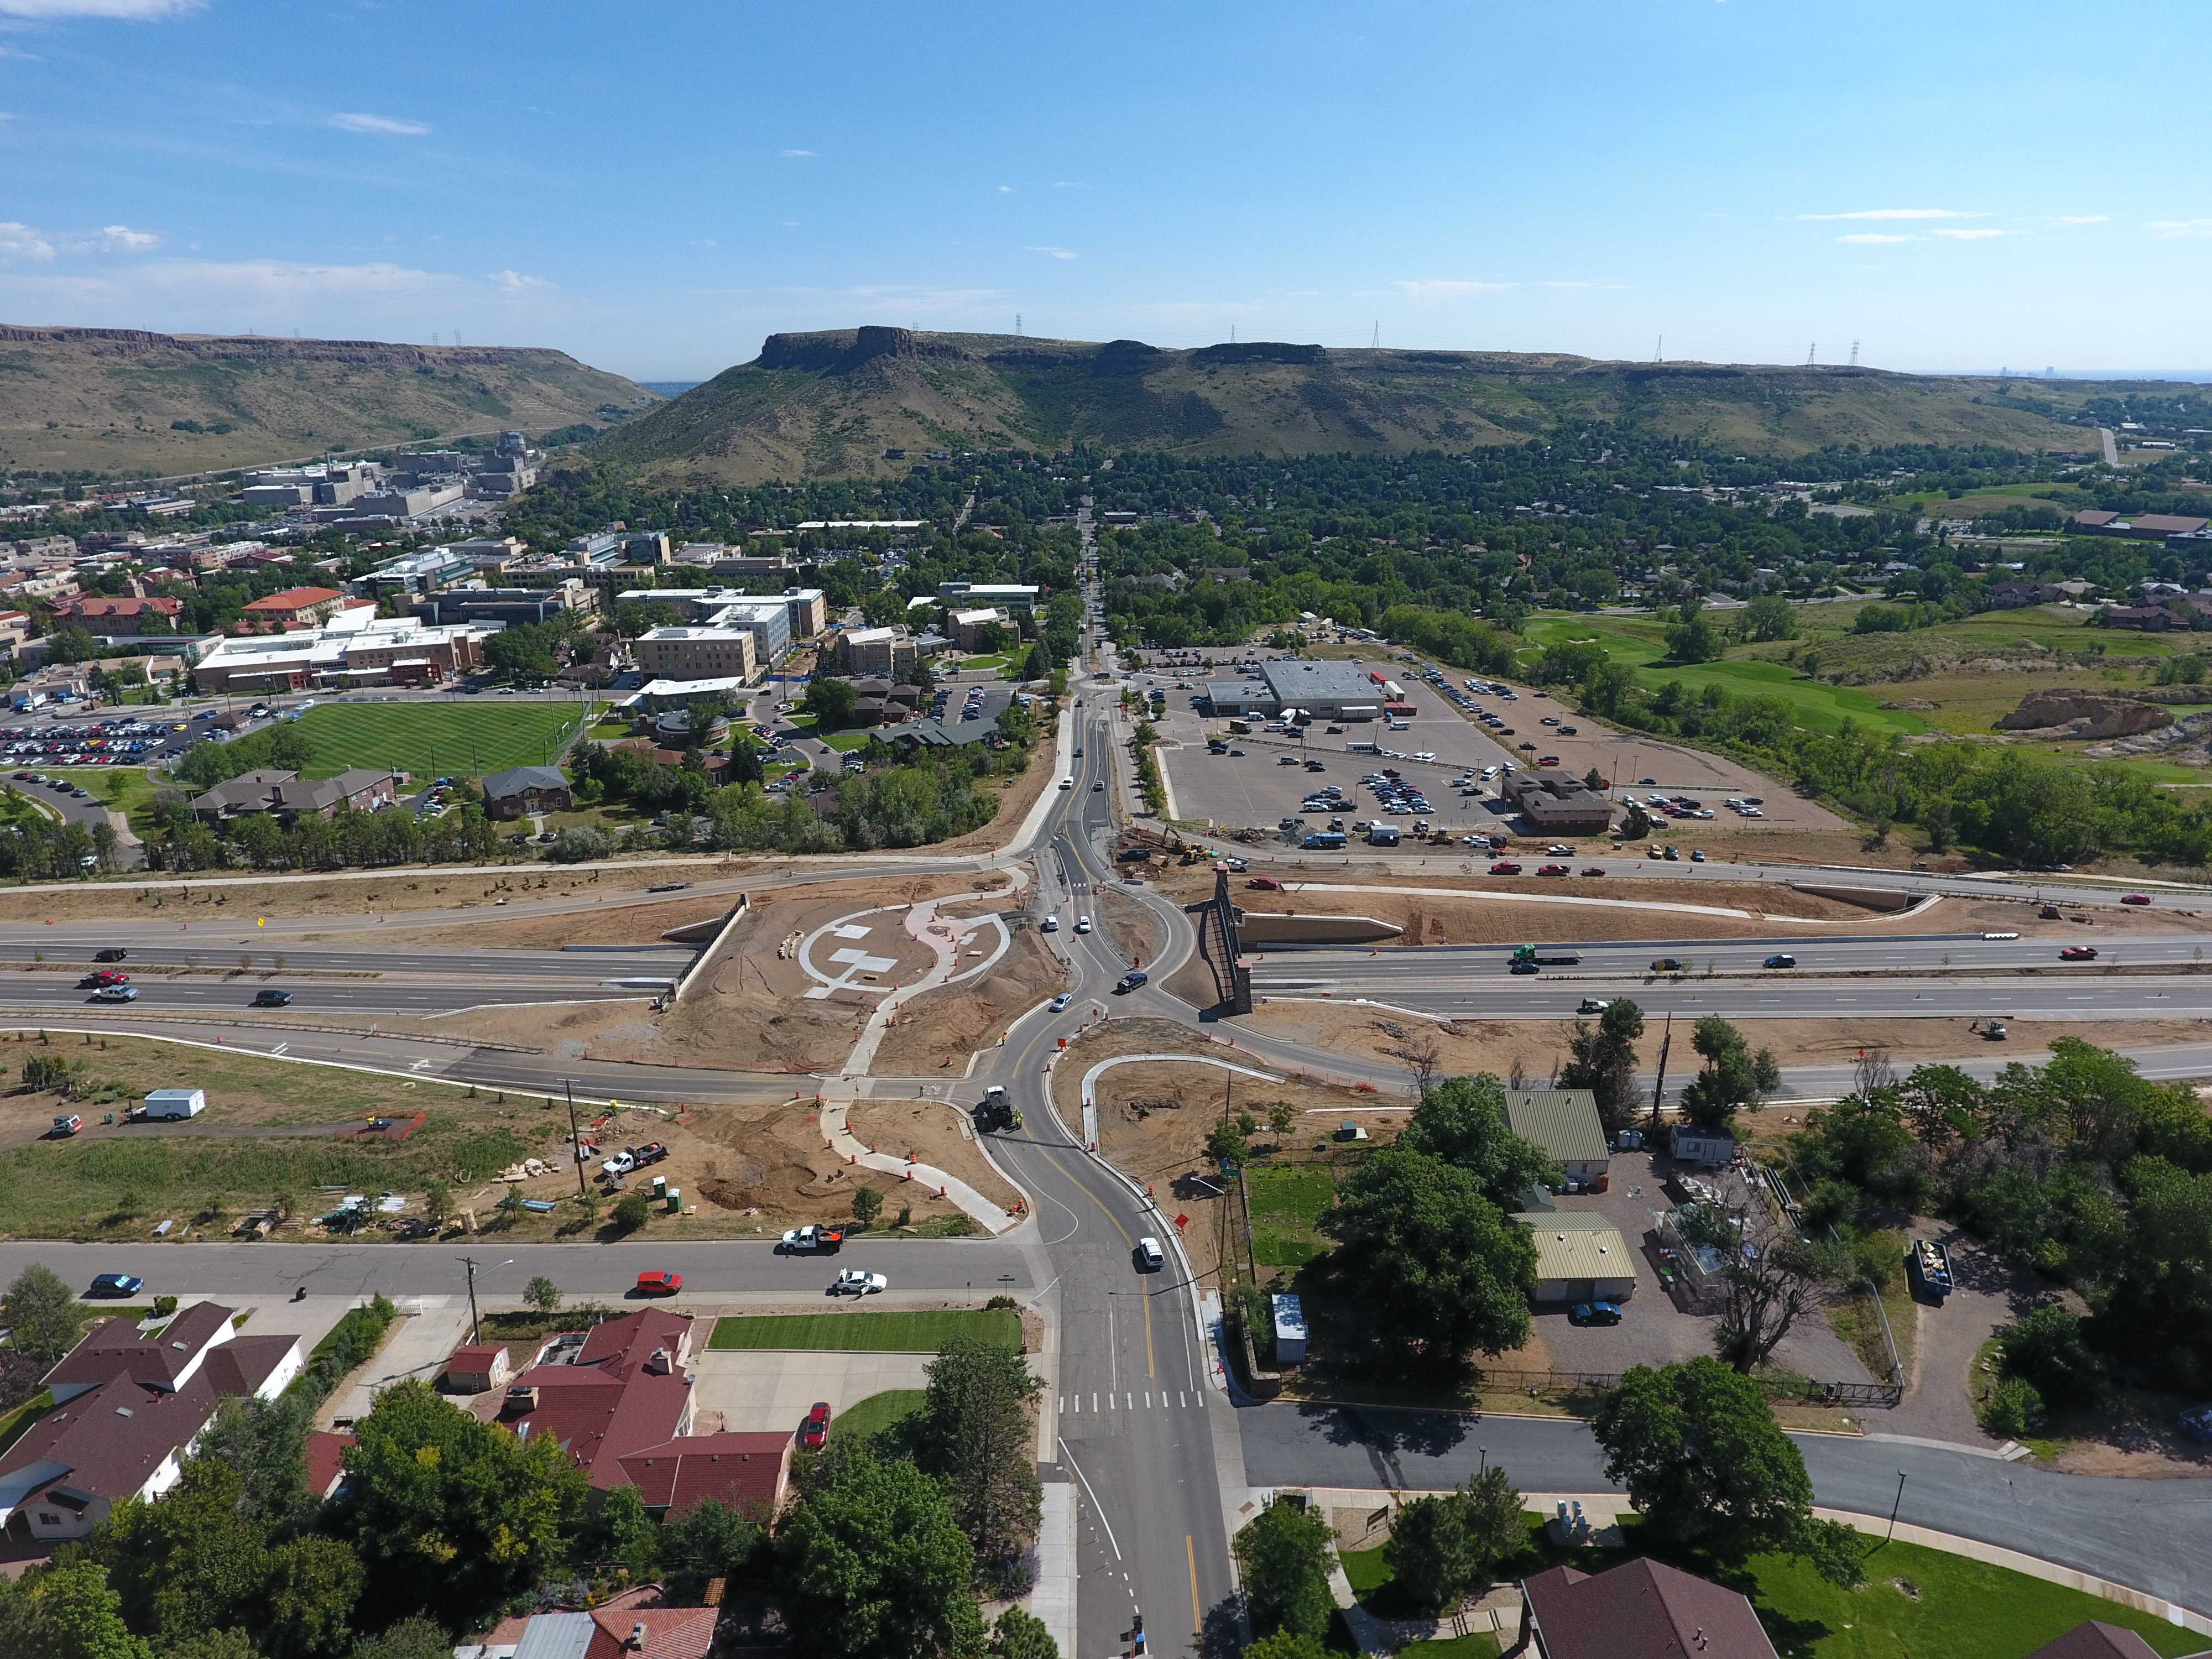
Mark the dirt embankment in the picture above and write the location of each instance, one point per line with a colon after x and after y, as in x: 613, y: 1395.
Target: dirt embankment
x: 928, y: 1132
x: 938, y: 1030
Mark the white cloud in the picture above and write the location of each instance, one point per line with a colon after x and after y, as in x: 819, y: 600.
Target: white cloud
x: 121, y: 238
x: 1056, y: 252
x: 1969, y: 235
x: 1874, y: 239
x: 21, y: 242
x: 2082, y: 219
x: 2182, y: 227
x: 1892, y: 212
x: 1006, y: 190
x: 18, y: 52
x: 1445, y: 290
x: 138, y: 11
x: 390, y: 125
x: 513, y: 281
x: 797, y: 154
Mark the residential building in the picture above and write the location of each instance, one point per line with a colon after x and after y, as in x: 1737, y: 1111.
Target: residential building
x: 625, y: 1389
x: 636, y: 1623
x: 930, y: 732
x: 1641, y: 1609
x: 130, y: 1408
x: 525, y: 789
x: 1558, y: 804
x: 287, y: 796
x: 768, y: 620
x: 477, y: 1368
x: 2149, y: 618
x: 698, y: 654
x: 968, y: 626
x: 808, y: 610
x: 296, y: 608
x: 2095, y: 1639
x: 749, y: 1473
x: 1580, y: 1257
x: 120, y: 618
x: 1564, y: 1125
x: 2012, y: 595
x: 881, y: 651
x: 1010, y: 596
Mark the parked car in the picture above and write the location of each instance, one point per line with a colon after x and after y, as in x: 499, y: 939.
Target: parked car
x: 859, y: 1281
x: 2078, y: 953
x: 662, y: 1283
x: 107, y: 1284
x: 814, y: 1433
x: 1594, y: 1313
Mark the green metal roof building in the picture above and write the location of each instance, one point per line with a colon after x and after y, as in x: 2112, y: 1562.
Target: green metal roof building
x: 1564, y: 1123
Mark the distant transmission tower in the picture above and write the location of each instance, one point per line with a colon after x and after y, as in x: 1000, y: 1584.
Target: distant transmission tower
x: 1018, y: 325
x: 1812, y: 351
x: 1377, y: 340
x: 1855, y: 354
x: 1659, y: 351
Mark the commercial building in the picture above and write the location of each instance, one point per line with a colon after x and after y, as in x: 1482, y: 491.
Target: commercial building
x: 1008, y: 596
x: 1325, y: 690
x: 375, y: 652
x: 1558, y: 804
x: 525, y: 789
x: 295, y: 607
x: 423, y: 572
x: 128, y: 1408
x: 1580, y: 1257
x: 699, y: 653
x: 1641, y: 1609
x: 1563, y: 1124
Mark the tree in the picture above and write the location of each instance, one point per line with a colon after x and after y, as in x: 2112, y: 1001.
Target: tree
x: 523, y: 651
x: 1604, y: 1062
x: 1282, y: 1558
x: 1018, y: 1635
x: 710, y: 1541
x: 1703, y: 1459
x: 449, y: 1515
x: 543, y: 1294
x: 631, y: 1211
x: 1445, y: 1546
x: 974, y: 1433
x: 1733, y: 1077
x: 1693, y: 639
x: 308, y: 1589
x: 264, y: 1443
x: 1462, y: 1121
x: 1771, y: 616
x: 831, y: 703
x: 1434, y: 1267
x: 1286, y: 1644
x: 45, y: 1313
x: 1282, y: 1118
x: 1770, y: 1280
x: 872, y: 1565
x: 868, y: 1204
x: 1224, y: 1142
x: 1636, y: 823
x: 413, y: 1638
x: 2046, y: 1348
x: 78, y: 1617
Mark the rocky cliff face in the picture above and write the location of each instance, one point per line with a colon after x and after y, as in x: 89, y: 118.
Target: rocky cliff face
x: 2083, y: 714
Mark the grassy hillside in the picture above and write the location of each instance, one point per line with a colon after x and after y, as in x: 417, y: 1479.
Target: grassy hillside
x: 830, y: 404
x: 107, y: 401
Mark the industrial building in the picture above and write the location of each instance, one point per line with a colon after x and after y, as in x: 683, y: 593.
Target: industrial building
x: 1325, y: 690
x: 1558, y: 804
x: 1563, y: 1124
x: 1580, y: 1257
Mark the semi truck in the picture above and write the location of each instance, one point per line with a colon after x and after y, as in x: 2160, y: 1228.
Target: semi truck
x: 1545, y: 955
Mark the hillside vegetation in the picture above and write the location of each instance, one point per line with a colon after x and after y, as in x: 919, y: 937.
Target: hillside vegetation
x: 828, y: 404
x: 123, y: 403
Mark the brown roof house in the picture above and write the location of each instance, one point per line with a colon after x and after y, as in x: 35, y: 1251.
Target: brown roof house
x: 130, y: 1405
x: 287, y: 795
x: 1639, y: 1610
x: 522, y: 789
x: 2095, y: 1639
x: 623, y: 1391
x: 749, y: 1473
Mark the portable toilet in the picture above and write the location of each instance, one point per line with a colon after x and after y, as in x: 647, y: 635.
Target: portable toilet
x: 675, y: 1200
x: 175, y: 1103
x: 1289, y: 1331
x: 660, y: 1187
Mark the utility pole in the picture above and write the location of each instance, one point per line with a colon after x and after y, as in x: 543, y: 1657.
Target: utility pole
x: 470, y: 1263
x: 575, y: 1137
x: 1659, y: 1091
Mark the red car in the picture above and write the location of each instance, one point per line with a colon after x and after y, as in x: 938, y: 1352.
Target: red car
x: 816, y: 1433
x: 659, y: 1284
x: 2136, y: 898
x: 1502, y: 868
x: 1553, y: 870
x: 1594, y: 869
x: 1265, y: 883
x: 2078, y: 953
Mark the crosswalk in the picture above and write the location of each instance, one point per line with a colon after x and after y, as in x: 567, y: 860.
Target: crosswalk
x: 1141, y: 1400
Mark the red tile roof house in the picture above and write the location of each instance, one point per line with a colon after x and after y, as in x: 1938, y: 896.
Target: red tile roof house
x: 632, y: 1626
x: 2096, y: 1639
x: 128, y: 1407
x: 295, y: 607
x: 748, y: 1473
x: 625, y: 1390
x: 1639, y: 1610
x: 117, y: 617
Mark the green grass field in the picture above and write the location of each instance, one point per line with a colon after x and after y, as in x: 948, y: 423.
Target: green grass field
x: 436, y: 739
x: 868, y: 1333
x: 864, y: 1419
x: 1287, y: 1204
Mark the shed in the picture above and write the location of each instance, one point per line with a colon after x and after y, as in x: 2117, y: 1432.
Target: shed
x: 1289, y: 1331
x: 176, y: 1103
x: 1580, y: 1257
x: 1693, y: 1144
x: 1564, y: 1123
x: 477, y: 1368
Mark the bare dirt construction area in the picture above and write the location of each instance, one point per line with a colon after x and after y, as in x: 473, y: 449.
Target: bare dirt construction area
x: 938, y: 1030
x: 928, y: 1132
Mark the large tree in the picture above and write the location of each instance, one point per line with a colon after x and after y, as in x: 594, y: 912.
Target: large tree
x: 831, y: 703
x: 43, y: 1312
x: 1703, y: 1459
x: 1432, y: 1268
x: 1604, y: 1062
x: 1734, y: 1078
x: 976, y: 1434
x: 1445, y: 1546
x: 872, y: 1565
x: 1282, y: 1558
x: 1769, y: 1279
x: 1462, y: 1120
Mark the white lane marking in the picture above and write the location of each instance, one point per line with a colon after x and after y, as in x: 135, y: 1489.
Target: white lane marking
x: 1180, y: 1400
x: 1094, y: 1402
x: 1095, y: 1503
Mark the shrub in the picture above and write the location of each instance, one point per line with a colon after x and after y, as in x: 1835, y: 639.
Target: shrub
x: 2048, y: 1352
x: 2013, y: 1408
x: 631, y: 1211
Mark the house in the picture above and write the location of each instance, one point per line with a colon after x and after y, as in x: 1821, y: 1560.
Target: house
x: 477, y: 1368
x: 634, y: 1624
x: 129, y: 1405
x: 1639, y: 1610
x: 122, y: 617
x: 1563, y: 1123
x: 287, y: 795
x: 2148, y: 617
x: 323, y: 1457
x: 2095, y: 1639
x: 748, y: 1473
x: 512, y: 793
x: 1580, y: 1257
x: 2012, y: 595
x: 623, y: 1389
x: 295, y: 607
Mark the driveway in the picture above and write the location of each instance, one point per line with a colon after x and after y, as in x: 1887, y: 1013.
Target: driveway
x: 1939, y: 1398
x: 764, y: 1389
x: 418, y: 1346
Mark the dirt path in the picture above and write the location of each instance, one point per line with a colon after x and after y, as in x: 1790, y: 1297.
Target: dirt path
x: 1939, y: 1398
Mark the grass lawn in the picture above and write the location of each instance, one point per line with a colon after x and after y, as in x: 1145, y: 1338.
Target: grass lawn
x: 1287, y: 1204
x: 979, y: 665
x: 127, y: 787
x: 13, y: 1424
x: 1480, y: 1645
x: 865, y: 1418
x: 868, y: 1333
x: 846, y: 742
x: 436, y: 739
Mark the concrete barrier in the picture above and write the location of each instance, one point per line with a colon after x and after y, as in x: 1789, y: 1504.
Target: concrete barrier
x: 1261, y: 929
x: 723, y: 930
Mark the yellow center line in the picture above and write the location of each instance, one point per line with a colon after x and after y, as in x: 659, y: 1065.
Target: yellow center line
x: 1190, y: 1554
x: 1092, y: 1197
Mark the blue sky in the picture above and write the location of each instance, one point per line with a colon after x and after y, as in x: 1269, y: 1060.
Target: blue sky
x: 653, y: 185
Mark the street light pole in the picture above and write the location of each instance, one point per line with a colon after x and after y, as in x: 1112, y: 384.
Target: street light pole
x: 1894, y: 1507
x: 470, y: 1263
x: 575, y: 1137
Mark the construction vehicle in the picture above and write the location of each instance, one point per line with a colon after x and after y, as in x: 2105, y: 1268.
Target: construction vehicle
x: 996, y: 1112
x: 1991, y: 1030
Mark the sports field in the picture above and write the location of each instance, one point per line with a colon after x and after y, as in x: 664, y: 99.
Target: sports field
x: 436, y: 739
